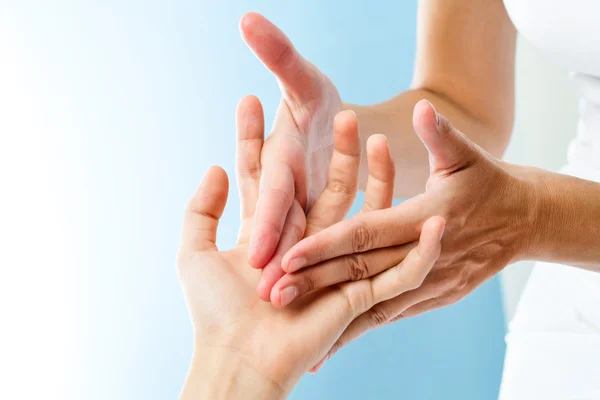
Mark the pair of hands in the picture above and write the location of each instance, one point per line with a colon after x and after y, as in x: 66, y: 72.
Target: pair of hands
x: 486, y: 202
x: 343, y: 277
x: 236, y: 330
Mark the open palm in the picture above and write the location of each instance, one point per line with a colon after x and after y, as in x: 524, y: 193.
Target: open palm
x: 219, y: 287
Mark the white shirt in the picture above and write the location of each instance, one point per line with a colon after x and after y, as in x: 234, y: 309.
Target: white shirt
x: 553, y: 345
x: 569, y: 33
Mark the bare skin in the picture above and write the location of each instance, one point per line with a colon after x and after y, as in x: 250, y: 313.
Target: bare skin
x: 244, y: 348
x: 451, y: 36
x: 497, y: 213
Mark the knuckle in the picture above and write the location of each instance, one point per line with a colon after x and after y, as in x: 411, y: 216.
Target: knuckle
x: 377, y: 317
x: 357, y: 268
x: 251, y: 171
x: 339, y: 186
x: 283, y: 196
x: 452, y: 298
x: 309, y: 282
x: 335, y: 348
x: 285, y: 56
x: 359, y: 296
x: 397, y: 318
x: 297, y: 231
x: 367, y: 206
x: 362, y: 238
x: 437, y: 302
x: 272, y: 226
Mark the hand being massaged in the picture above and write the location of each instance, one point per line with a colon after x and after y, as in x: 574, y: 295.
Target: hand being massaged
x: 494, y: 210
x: 244, y: 347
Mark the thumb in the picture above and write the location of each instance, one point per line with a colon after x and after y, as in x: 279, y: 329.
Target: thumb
x: 449, y: 150
x: 278, y: 54
x: 203, y: 213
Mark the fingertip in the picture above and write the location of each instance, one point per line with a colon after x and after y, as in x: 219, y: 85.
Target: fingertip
x: 436, y: 224
x: 249, y: 102
x: 346, y: 140
x: 441, y: 226
x: 271, y: 275
x: 425, y: 116
x: 431, y: 236
x: 345, y: 117
x: 216, y: 172
x: 263, y: 290
x: 249, y: 21
x: 214, y: 185
x: 377, y: 146
x: 250, y: 119
x: 345, y: 122
x: 380, y: 163
x: 275, y: 297
x: 424, y: 107
x: 257, y: 252
x: 285, y: 260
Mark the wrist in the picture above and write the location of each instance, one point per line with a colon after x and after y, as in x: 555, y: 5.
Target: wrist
x: 529, y: 199
x: 220, y: 373
x: 547, y: 215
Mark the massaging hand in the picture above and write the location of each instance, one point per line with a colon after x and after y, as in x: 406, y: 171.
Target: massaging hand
x: 486, y: 206
x: 233, y: 328
x: 296, y: 155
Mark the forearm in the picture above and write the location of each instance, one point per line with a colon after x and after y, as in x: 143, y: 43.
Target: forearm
x: 219, y: 375
x: 465, y: 66
x: 567, y: 220
x: 393, y: 118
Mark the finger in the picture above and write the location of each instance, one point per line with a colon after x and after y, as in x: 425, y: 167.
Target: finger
x: 398, y: 288
x: 378, y: 315
x: 411, y: 272
x: 379, y: 193
x: 352, y: 267
x: 204, y: 211
x: 288, y: 146
x: 276, y: 195
x: 342, y: 181
x: 363, y: 232
x: 293, y: 231
x: 449, y: 297
x: 277, y: 53
x: 449, y: 150
x: 421, y: 308
x: 250, y: 139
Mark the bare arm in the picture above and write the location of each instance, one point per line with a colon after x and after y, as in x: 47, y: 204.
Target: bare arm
x: 465, y: 67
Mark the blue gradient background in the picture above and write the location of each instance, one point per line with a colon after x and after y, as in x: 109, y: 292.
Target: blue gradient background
x: 138, y: 99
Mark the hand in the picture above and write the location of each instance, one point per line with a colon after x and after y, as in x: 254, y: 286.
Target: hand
x: 488, y: 209
x: 296, y: 155
x: 241, y: 339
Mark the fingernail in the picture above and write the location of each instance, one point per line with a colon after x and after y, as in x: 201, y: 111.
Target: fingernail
x: 296, y: 264
x: 288, y: 295
x: 443, y: 230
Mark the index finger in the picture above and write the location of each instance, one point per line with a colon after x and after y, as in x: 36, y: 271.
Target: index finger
x: 275, y: 200
x: 363, y: 232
